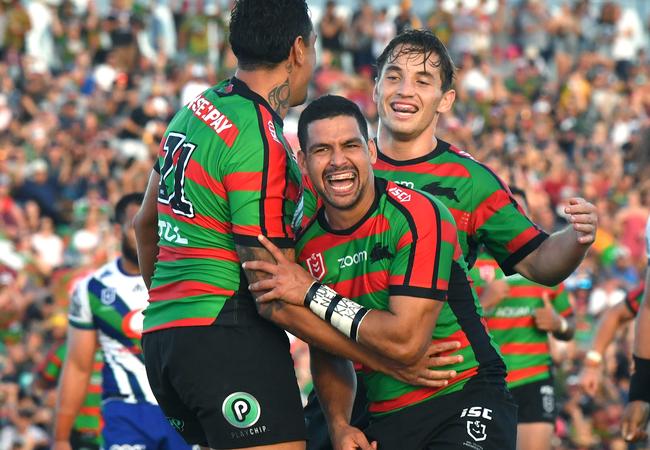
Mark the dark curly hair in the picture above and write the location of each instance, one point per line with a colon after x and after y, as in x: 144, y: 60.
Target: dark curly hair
x: 424, y: 42
x: 263, y: 31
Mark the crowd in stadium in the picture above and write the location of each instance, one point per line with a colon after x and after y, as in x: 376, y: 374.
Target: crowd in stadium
x: 556, y: 101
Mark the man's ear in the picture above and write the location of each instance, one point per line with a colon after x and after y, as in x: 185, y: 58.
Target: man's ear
x: 298, y: 51
x: 447, y: 101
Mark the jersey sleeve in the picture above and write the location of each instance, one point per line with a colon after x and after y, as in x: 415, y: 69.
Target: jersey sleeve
x: 500, y: 223
x: 634, y: 298
x: 561, y: 303
x: 311, y: 201
x: 80, y: 313
x: 255, y: 175
x: 425, y: 249
x: 51, y: 367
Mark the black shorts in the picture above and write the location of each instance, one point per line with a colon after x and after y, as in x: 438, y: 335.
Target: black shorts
x: 536, y: 401
x: 482, y: 416
x: 226, y: 386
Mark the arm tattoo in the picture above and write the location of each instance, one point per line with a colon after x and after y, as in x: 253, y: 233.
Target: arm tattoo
x: 279, y: 98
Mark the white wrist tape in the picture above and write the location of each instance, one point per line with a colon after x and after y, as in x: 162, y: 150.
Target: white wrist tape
x: 344, y: 314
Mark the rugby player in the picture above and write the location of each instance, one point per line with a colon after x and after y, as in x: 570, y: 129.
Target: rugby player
x: 414, y: 87
x: 106, y: 311
x: 391, y: 276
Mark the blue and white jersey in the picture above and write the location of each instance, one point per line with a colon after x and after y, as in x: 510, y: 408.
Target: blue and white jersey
x: 111, y: 302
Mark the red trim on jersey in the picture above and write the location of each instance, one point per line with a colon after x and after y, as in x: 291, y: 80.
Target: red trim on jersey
x: 167, y: 253
x: 503, y: 323
x: 567, y: 312
x: 94, y: 431
x: 425, y: 221
x: 524, y: 237
x: 406, y: 239
x: 276, y: 180
x: 447, y: 169
x: 198, y: 219
x: 94, y: 389
x: 200, y: 176
x: 523, y: 348
x: 520, y: 374
x: 363, y: 284
x: 529, y: 291
x: 206, y: 112
x: 243, y: 181
x: 488, y: 207
x: 192, y: 322
x: 90, y: 410
x: 417, y: 395
x: 371, y: 227
x: 184, y: 289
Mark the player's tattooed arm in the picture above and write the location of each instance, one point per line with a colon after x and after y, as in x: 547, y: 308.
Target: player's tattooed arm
x: 279, y: 96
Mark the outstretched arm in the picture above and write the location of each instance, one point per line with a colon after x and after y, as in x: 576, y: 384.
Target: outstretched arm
x: 558, y: 256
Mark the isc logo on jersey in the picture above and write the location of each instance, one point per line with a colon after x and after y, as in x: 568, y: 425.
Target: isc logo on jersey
x: 352, y: 260
x: 400, y: 194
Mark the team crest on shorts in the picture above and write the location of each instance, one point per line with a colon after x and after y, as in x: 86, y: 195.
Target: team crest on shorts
x: 476, y: 430
x: 316, y: 266
x: 241, y: 409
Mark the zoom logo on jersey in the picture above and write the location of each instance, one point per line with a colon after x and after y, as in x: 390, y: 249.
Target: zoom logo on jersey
x: 241, y: 409
x: 407, y: 184
x: 352, y: 260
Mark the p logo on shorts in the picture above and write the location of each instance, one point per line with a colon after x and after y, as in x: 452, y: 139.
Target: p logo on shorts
x: 241, y: 409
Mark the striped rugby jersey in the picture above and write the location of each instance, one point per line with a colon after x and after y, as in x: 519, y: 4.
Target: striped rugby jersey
x: 525, y: 348
x: 89, y: 419
x: 111, y: 302
x: 226, y: 175
x: 405, y: 245
x: 482, y: 205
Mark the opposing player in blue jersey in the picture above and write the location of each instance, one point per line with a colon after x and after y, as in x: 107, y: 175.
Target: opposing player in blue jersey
x: 106, y: 309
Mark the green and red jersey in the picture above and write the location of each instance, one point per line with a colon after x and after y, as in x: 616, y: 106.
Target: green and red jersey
x: 226, y: 175
x: 481, y: 203
x: 406, y: 244
x: 634, y: 298
x: 525, y: 348
x: 89, y: 419
x: 484, y: 271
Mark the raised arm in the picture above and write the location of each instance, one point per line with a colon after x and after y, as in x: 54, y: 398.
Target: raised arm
x: 558, y: 256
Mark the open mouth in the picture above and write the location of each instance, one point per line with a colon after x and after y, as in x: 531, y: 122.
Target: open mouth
x: 341, y: 182
x: 404, y: 109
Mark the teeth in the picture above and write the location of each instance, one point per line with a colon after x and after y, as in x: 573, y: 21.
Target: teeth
x: 341, y: 176
x: 404, y: 108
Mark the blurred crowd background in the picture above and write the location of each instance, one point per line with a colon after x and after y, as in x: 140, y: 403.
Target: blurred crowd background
x: 555, y: 97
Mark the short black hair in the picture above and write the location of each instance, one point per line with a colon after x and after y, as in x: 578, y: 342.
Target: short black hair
x: 424, y: 42
x: 326, y: 107
x: 134, y: 198
x: 263, y: 31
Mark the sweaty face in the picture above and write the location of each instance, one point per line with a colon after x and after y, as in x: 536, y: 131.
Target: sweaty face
x: 409, y: 96
x: 338, y: 160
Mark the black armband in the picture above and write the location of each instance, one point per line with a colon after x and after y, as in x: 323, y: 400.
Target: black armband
x: 342, y: 313
x: 640, y: 382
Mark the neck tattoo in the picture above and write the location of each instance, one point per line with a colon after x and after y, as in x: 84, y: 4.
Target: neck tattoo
x: 279, y: 98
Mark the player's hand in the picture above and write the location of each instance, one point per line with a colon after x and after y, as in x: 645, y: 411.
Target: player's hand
x: 494, y: 292
x: 635, y: 421
x: 590, y: 380
x: 289, y: 282
x: 582, y: 215
x: 546, y: 319
x: 422, y: 374
x: 347, y: 437
x: 61, y: 445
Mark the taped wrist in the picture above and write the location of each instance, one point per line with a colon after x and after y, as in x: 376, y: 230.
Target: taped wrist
x: 342, y: 313
x: 640, y: 382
